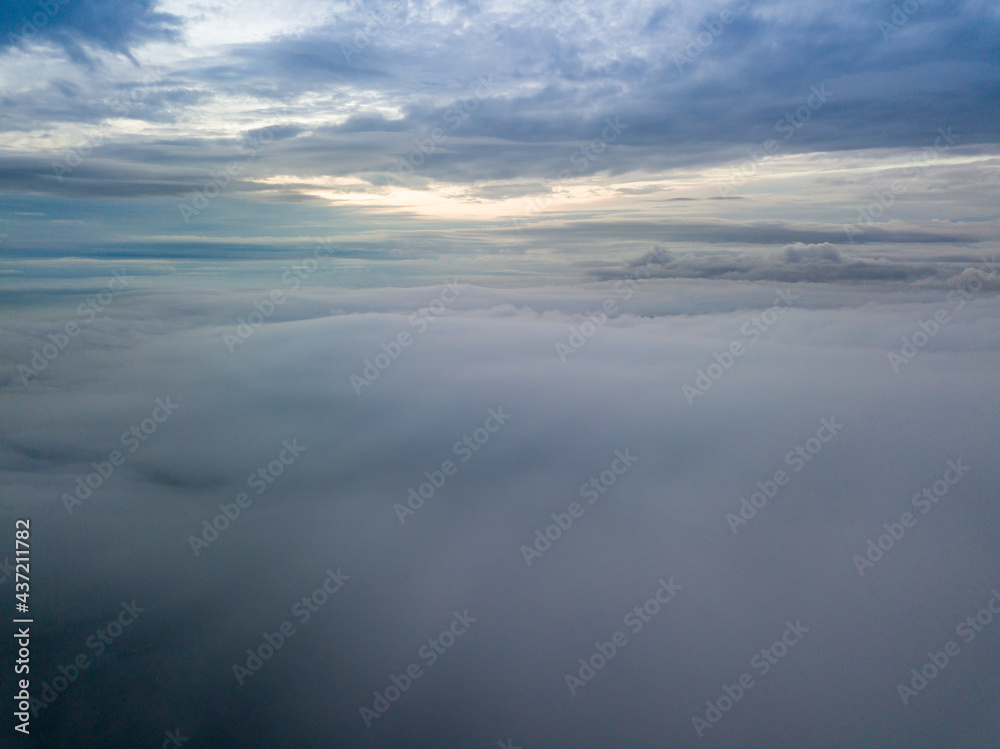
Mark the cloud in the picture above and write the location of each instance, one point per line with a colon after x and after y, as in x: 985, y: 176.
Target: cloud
x: 714, y: 361
x: 813, y: 263
x: 795, y: 253
x: 79, y: 25
x: 664, y: 518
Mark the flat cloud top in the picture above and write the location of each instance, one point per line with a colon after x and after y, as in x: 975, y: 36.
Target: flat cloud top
x: 664, y: 518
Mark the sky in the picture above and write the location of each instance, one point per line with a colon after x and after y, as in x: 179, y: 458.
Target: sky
x: 475, y: 374
x: 423, y: 134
